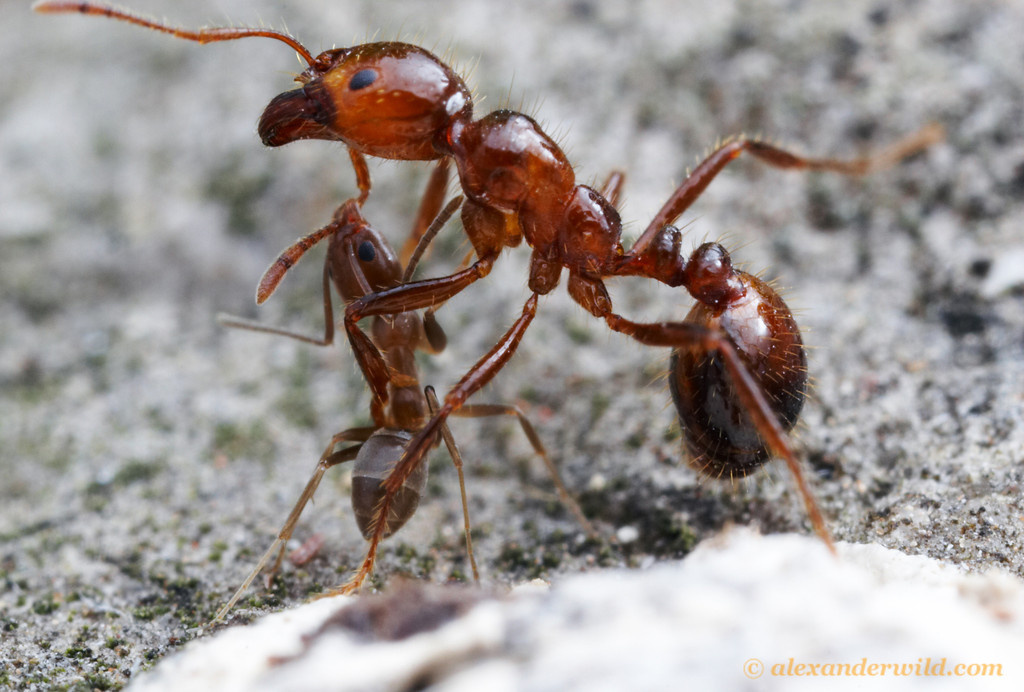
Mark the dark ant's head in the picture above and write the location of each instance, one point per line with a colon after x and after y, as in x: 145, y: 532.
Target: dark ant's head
x: 390, y: 100
x: 360, y: 260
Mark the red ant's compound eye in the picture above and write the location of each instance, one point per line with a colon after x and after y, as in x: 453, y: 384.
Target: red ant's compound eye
x: 362, y: 79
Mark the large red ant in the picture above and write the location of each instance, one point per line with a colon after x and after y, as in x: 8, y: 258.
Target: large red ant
x: 738, y: 364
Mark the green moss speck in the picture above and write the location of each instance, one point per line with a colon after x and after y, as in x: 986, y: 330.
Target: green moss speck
x: 217, y: 551
x: 150, y: 612
x: 95, y: 681
x: 136, y: 471
x: 78, y: 652
x: 635, y: 441
x: 45, y: 605
x: 238, y: 188
x: 579, y: 332
x: 513, y: 557
x: 598, y: 405
x: 405, y: 552
x: 236, y: 441
x: 426, y: 565
x: 296, y: 403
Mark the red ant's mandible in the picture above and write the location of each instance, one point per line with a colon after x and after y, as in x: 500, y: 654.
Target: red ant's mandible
x: 739, y: 347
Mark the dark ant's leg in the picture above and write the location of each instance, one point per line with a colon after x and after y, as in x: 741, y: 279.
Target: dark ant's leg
x: 327, y: 340
x: 346, y: 213
x: 453, y: 450
x: 367, y: 355
x: 343, y: 215
x: 430, y: 205
x: 374, y: 369
x: 369, y: 360
x: 697, y: 181
x: 480, y: 374
x: 328, y: 459
x: 675, y: 334
x: 487, y: 410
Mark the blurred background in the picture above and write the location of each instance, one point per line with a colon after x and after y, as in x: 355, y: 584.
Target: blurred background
x: 149, y: 455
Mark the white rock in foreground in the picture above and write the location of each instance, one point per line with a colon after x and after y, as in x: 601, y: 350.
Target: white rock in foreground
x: 741, y: 612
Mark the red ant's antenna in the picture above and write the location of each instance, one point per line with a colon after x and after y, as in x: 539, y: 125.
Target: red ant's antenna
x: 204, y: 35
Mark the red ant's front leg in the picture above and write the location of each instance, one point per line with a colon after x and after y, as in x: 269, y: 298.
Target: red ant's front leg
x: 415, y: 295
x: 487, y: 231
x: 480, y: 374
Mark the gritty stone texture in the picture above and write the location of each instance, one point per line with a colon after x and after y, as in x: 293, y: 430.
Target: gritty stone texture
x: 743, y: 612
x: 149, y: 455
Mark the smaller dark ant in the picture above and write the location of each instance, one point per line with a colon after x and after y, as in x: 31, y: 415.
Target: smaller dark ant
x: 359, y: 261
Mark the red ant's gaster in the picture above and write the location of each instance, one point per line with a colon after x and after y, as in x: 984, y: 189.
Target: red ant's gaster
x: 738, y: 364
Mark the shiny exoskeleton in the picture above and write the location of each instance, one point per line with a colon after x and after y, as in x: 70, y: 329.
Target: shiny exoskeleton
x: 519, y: 186
x: 738, y: 384
x: 359, y: 260
x: 719, y: 437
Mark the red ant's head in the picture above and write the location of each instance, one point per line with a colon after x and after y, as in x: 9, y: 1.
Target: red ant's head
x: 390, y: 100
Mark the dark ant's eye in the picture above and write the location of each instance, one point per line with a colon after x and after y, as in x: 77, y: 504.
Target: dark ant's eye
x: 362, y: 79
x: 366, y: 251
